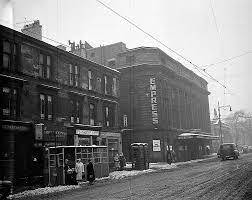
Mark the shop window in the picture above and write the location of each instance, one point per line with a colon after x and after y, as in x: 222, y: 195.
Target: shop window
x: 44, y: 66
x: 9, y: 102
x: 46, y: 107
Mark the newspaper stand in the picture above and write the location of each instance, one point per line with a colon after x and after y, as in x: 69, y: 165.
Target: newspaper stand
x: 57, y: 155
x: 140, y: 156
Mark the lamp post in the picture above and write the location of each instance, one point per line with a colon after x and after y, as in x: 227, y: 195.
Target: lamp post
x: 219, y: 116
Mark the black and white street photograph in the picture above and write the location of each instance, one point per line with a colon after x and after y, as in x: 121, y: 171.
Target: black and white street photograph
x: 125, y: 100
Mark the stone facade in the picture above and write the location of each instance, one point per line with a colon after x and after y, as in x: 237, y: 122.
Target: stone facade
x: 46, y: 85
x: 161, y: 99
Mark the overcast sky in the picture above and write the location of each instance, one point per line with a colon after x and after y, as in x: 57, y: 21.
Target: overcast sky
x: 203, y: 31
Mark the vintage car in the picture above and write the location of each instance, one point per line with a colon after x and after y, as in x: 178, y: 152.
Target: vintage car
x: 228, y: 150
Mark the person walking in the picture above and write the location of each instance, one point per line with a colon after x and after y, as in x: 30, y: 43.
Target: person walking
x: 122, y: 161
x: 90, y: 172
x: 117, y: 162
x: 79, y: 169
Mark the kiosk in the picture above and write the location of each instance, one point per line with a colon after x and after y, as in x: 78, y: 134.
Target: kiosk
x: 58, y: 155
x: 140, y: 156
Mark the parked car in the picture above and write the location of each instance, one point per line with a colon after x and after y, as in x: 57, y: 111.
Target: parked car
x: 228, y: 150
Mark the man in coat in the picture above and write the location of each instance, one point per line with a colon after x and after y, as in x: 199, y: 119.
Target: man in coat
x: 90, y: 172
x: 79, y: 169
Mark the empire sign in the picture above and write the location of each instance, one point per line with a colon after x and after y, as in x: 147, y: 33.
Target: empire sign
x: 153, y: 94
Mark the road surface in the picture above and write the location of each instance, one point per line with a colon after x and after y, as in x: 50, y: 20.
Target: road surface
x: 215, y: 179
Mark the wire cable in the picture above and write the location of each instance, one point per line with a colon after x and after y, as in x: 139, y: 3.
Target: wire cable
x: 160, y: 42
x: 205, y: 67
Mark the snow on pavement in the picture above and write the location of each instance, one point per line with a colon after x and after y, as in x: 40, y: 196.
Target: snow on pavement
x: 123, y: 174
x: 113, y: 175
x: 45, y: 190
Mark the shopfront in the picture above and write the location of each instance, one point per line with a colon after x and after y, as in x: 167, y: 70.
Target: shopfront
x: 16, y: 151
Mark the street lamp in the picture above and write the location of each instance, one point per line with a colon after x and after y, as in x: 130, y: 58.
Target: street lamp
x: 220, y: 131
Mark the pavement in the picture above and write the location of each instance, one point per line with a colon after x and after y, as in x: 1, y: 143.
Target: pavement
x: 49, y: 192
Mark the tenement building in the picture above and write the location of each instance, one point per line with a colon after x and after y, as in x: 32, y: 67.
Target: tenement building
x: 161, y: 99
x: 65, y: 99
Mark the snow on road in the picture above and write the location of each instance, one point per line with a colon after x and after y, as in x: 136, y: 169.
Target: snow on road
x: 113, y: 175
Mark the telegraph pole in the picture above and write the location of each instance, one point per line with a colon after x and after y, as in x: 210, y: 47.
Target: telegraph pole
x: 220, y: 131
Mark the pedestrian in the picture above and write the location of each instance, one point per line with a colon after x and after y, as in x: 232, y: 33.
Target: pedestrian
x: 169, y: 156
x: 117, y: 162
x: 67, y: 172
x: 90, y: 172
x: 79, y: 169
x: 173, y: 155
x: 122, y: 161
x: 70, y: 174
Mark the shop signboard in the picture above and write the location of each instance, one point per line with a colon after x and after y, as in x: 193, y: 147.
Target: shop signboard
x: 87, y: 132
x: 156, y: 145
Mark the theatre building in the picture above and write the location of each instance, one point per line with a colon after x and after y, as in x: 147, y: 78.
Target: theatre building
x: 160, y: 100
x: 66, y: 99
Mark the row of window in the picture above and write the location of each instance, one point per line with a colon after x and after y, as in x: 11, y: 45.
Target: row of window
x: 46, y: 111
x: 10, y: 59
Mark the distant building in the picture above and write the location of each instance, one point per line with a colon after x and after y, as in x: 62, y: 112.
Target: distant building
x: 34, y: 30
x: 104, y: 55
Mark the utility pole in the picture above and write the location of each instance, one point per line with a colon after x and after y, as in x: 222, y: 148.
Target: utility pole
x: 220, y: 131
x: 219, y: 117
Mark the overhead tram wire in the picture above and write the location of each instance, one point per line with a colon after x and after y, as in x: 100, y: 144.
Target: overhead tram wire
x: 199, y: 69
x: 205, y: 67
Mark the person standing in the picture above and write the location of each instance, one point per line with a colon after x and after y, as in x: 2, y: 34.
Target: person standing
x: 79, y: 169
x: 117, y: 162
x: 90, y: 172
x: 67, y: 172
x: 122, y: 161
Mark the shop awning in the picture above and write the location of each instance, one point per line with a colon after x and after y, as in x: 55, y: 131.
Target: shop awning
x: 184, y: 136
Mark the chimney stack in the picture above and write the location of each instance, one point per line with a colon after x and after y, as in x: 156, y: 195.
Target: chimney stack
x: 34, y: 30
